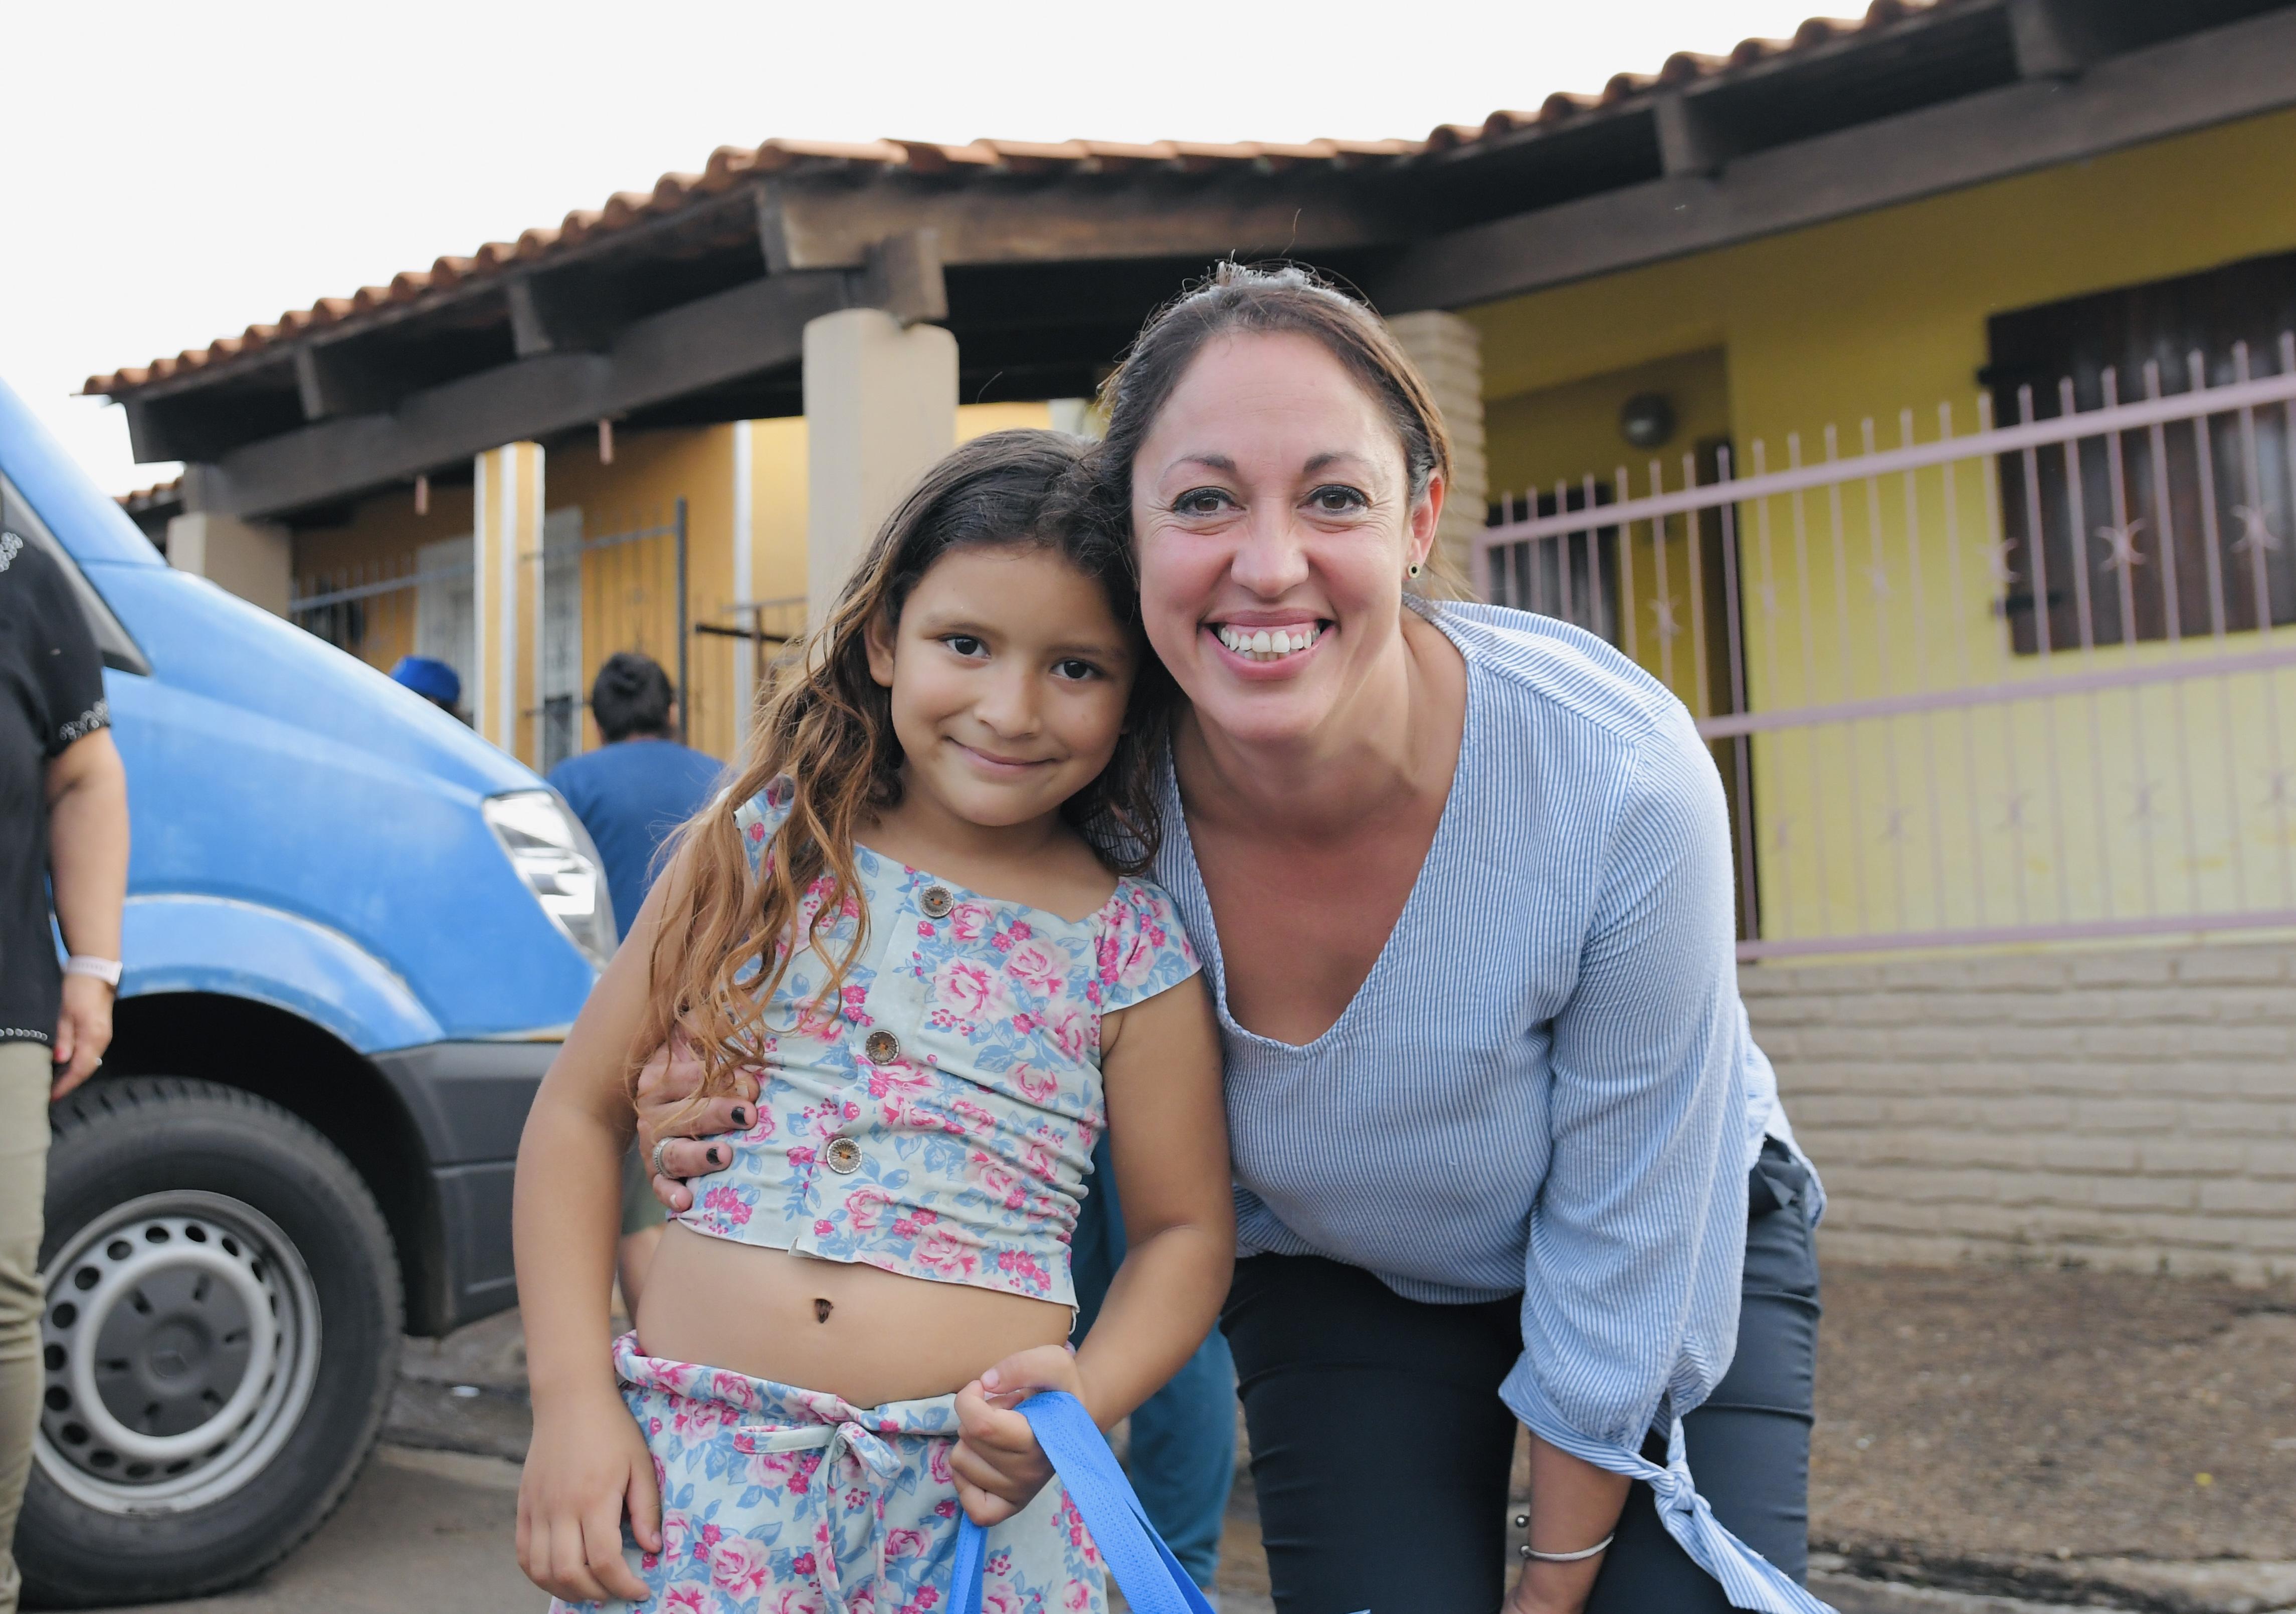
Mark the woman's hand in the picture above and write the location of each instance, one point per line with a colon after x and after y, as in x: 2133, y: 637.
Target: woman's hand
x: 588, y: 1462
x: 1573, y: 1504
x: 999, y: 1466
x: 666, y: 1084
x: 83, y: 1032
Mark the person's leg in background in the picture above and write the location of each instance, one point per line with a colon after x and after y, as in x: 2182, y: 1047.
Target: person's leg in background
x: 643, y: 1220
x: 1182, y: 1459
x: 24, y: 1080
x: 1183, y: 1455
x: 1749, y: 1444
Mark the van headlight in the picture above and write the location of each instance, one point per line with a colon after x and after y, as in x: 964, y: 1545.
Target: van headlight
x: 553, y: 854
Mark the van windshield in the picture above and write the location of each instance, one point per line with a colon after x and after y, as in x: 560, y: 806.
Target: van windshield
x: 120, y: 652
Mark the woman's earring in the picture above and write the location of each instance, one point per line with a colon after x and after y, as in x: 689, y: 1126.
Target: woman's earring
x: 1412, y: 571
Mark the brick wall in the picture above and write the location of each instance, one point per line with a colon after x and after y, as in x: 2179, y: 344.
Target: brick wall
x: 1449, y: 354
x: 2123, y: 1108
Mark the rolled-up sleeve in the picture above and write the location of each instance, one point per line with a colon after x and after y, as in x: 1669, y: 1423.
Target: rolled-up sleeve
x: 1630, y: 1293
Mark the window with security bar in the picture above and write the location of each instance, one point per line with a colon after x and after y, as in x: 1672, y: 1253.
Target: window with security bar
x: 1915, y: 758
x: 2176, y: 531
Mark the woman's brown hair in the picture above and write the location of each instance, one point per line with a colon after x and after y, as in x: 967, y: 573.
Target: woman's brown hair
x: 724, y: 939
x: 1267, y: 299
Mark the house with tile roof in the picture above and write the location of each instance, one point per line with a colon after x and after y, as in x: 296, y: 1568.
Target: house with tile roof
x: 1913, y: 396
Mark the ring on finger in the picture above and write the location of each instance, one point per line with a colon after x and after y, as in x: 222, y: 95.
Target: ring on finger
x: 659, y: 1169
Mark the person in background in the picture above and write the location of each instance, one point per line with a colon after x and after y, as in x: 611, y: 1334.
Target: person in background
x: 629, y: 795
x: 62, y: 784
x: 1181, y: 1455
x: 433, y: 680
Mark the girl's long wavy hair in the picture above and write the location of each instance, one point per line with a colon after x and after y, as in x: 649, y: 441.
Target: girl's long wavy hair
x: 725, y: 937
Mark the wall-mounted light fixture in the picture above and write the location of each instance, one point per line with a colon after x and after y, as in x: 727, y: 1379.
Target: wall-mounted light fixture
x: 1646, y: 420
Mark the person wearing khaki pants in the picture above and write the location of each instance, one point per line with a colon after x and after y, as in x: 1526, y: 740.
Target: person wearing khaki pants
x: 61, y: 776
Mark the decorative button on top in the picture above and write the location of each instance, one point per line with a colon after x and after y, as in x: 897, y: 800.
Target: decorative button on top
x: 843, y: 1155
x: 936, y: 901
x: 882, y: 1047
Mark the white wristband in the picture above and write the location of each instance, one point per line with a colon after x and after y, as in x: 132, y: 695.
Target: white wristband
x: 105, y: 969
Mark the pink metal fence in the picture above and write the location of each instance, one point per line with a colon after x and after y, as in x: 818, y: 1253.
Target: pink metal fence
x: 2020, y: 685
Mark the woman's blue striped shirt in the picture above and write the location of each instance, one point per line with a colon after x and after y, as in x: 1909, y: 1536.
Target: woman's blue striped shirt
x: 1547, y: 1083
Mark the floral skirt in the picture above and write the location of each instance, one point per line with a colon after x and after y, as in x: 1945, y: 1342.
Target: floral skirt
x: 776, y: 1500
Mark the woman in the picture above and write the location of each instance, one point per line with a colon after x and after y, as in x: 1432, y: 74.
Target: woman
x: 62, y: 783
x: 1504, y: 1148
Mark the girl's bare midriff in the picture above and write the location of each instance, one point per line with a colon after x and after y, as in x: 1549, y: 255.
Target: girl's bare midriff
x: 867, y: 1335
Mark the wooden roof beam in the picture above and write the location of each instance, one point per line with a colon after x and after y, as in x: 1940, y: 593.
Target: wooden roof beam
x: 756, y: 327
x: 2238, y: 71
x: 812, y: 224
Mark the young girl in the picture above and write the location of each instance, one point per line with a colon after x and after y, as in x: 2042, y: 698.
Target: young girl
x: 913, y: 921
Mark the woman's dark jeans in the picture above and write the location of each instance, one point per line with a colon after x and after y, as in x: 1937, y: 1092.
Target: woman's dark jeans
x: 1381, y: 1450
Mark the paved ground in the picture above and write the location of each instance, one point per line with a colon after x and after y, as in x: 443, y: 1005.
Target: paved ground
x: 422, y: 1530
x: 2069, y: 1433
x: 1989, y: 1441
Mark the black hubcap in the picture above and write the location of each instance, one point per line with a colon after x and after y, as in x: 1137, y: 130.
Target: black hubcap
x: 172, y: 1352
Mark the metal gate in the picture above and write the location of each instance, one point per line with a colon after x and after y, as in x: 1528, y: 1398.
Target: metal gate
x: 623, y: 590
x: 414, y: 605
x: 2025, y: 684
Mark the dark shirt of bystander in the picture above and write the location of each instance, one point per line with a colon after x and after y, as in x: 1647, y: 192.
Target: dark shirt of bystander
x: 51, y: 694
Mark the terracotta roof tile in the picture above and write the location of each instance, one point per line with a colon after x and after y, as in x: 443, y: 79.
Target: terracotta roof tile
x: 158, y: 492
x: 1683, y: 66
x: 958, y: 163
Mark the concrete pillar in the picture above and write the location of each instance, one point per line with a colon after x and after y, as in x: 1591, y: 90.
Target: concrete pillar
x: 769, y: 547
x: 249, y: 558
x: 1449, y: 353
x: 506, y: 596
x: 745, y: 575
x: 880, y: 406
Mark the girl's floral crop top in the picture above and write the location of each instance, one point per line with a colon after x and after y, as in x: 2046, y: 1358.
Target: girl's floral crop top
x: 940, y: 1122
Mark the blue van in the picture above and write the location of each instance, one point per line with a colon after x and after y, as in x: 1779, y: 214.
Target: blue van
x: 356, y: 936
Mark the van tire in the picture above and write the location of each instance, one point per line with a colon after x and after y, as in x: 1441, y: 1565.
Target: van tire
x: 169, y: 1144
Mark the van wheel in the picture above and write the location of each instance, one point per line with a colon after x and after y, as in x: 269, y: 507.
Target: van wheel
x: 220, y: 1338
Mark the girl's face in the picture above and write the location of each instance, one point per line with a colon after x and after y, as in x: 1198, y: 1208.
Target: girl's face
x: 1009, y: 676
x: 1274, y: 523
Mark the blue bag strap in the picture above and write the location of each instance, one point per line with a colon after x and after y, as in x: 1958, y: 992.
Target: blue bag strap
x: 1151, y: 1578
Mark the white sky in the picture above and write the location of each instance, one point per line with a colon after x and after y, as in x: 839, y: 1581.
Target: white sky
x: 171, y: 173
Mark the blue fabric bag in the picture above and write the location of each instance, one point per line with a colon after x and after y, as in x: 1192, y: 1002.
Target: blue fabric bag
x: 1151, y: 1578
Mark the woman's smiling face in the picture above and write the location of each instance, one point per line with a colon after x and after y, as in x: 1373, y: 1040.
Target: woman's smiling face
x: 1275, y: 523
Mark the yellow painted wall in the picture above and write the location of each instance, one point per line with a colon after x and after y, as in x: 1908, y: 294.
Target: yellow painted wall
x: 2032, y: 812
x: 628, y: 596
x: 629, y: 601
x: 978, y: 419
x: 380, y: 541
x: 1560, y: 433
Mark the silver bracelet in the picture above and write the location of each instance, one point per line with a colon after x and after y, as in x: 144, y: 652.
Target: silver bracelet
x: 1579, y: 1557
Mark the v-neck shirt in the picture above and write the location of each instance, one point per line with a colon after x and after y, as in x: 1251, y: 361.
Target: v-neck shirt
x: 1546, y: 1084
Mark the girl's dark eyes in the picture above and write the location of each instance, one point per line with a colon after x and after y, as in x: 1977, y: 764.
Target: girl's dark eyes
x: 964, y: 644
x: 1075, y: 667
x: 1336, y: 498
